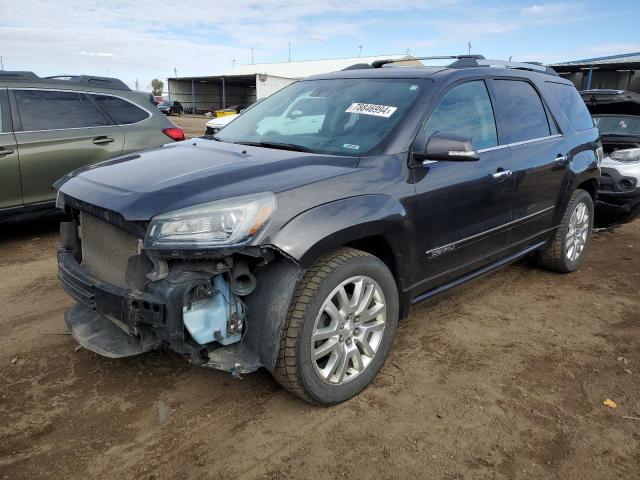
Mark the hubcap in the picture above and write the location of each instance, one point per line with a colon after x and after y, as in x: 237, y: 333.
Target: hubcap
x: 348, y: 330
x: 578, y: 232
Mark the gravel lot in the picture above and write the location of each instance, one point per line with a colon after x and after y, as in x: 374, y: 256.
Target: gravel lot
x: 502, y: 378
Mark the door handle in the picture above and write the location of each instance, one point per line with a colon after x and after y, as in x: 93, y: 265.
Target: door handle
x: 502, y: 174
x: 103, y: 140
x: 5, y: 151
x: 561, y: 160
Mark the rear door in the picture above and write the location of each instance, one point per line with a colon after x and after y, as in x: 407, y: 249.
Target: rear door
x: 57, y: 132
x: 10, y: 191
x: 539, y: 157
x: 141, y: 128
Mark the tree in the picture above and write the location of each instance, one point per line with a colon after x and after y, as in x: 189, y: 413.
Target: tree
x: 157, y: 86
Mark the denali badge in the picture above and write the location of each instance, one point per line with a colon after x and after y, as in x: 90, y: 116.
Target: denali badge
x: 436, y: 252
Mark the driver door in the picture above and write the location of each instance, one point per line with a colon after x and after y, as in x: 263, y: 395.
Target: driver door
x: 464, y: 207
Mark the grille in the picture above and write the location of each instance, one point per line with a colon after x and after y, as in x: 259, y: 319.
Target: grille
x: 106, y: 249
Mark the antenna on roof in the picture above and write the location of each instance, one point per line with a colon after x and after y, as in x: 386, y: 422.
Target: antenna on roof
x: 469, y: 47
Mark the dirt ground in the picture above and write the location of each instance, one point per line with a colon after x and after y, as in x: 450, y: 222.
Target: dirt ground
x: 193, y: 125
x: 503, y: 378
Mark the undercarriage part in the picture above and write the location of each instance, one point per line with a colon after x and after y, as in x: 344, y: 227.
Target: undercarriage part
x: 98, y: 333
x: 213, y: 313
x: 242, y: 280
x: 160, y: 269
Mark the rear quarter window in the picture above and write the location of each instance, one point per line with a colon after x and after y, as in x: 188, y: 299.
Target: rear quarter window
x: 572, y: 105
x: 121, y: 111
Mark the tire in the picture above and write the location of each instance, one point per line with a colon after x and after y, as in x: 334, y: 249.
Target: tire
x: 307, y: 318
x: 558, y: 255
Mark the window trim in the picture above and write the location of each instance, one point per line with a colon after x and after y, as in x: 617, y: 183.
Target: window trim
x: 18, y: 129
x: 6, y: 127
x: 436, y: 102
x: 523, y: 142
x: 547, y: 111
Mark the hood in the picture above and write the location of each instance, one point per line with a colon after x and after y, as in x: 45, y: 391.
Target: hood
x: 220, y: 121
x: 182, y: 174
x: 620, y: 102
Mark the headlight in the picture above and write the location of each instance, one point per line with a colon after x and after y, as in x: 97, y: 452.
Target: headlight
x: 627, y: 155
x: 227, y: 222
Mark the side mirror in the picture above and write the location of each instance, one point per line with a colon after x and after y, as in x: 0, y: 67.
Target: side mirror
x: 449, y: 147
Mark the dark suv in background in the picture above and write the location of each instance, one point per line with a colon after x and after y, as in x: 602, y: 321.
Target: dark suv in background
x: 51, y: 126
x: 299, y: 252
x: 616, y: 113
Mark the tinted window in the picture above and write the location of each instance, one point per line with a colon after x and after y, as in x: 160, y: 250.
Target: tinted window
x: 572, y: 105
x: 93, y: 116
x: 49, y: 110
x: 522, y: 112
x: 465, y: 110
x: 121, y: 111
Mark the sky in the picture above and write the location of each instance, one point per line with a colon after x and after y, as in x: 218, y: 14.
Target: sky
x: 143, y: 39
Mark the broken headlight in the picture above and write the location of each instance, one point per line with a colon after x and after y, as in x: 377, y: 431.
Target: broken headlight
x: 626, y: 155
x: 232, y: 221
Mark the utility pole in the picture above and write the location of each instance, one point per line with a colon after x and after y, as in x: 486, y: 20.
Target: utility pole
x: 360, y: 51
x: 469, y: 46
x: 251, y: 55
x: 233, y: 65
x: 136, y: 84
x: 175, y: 72
x: 289, y: 51
x: 1, y: 63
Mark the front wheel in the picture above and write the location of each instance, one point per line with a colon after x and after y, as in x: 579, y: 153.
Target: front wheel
x: 566, y: 251
x: 339, y: 329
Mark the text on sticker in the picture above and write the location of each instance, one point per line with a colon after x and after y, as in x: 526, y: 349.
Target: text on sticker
x: 371, y: 109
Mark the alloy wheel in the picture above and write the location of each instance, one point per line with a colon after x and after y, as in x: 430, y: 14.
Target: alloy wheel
x: 578, y: 232
x: 348, y: 330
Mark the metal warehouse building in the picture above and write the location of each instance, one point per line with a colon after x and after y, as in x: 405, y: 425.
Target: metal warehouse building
x: 620, y: 72
x: 245, y: 84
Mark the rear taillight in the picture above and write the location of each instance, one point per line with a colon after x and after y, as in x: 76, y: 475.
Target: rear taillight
x: 175, y: 133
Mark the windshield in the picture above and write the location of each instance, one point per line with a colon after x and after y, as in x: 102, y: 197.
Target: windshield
x: 627, y: 125
x: 339, y: 116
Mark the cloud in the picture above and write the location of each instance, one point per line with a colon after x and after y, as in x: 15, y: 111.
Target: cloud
x: 142, y: 39
x: 96, y: 54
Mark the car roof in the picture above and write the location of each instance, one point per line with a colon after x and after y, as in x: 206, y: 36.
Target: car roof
x: 440, y: 73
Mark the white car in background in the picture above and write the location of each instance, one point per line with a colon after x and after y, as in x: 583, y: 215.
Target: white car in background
x: 217, y: 123
x: 305, y: 115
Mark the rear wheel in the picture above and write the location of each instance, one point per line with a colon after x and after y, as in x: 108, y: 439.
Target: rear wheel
x: 340, y: 327
x: 566, y: 251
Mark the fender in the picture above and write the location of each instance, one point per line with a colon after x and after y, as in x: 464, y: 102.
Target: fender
x: 326, y: 227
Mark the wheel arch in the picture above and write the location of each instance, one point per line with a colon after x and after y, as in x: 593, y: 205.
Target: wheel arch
x: 376, y: 224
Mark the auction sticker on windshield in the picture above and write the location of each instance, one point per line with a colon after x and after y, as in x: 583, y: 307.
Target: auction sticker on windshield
x: 371, y: 109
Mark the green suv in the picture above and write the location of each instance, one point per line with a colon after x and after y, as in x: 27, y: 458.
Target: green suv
x: 51, y: 126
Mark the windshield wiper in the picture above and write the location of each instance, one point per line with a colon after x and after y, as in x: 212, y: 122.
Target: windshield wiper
x: 281, y: 146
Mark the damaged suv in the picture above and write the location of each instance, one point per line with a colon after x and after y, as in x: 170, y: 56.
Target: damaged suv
x: 300, y: 251
x: 616, y: 113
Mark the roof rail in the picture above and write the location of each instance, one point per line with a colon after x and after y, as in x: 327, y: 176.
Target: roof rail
x: 18, y: 76
x: 380, y: 63
x: 483, y: 62
x: 87, y: 80
x: 473, y: 61
x: 91, y: 81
